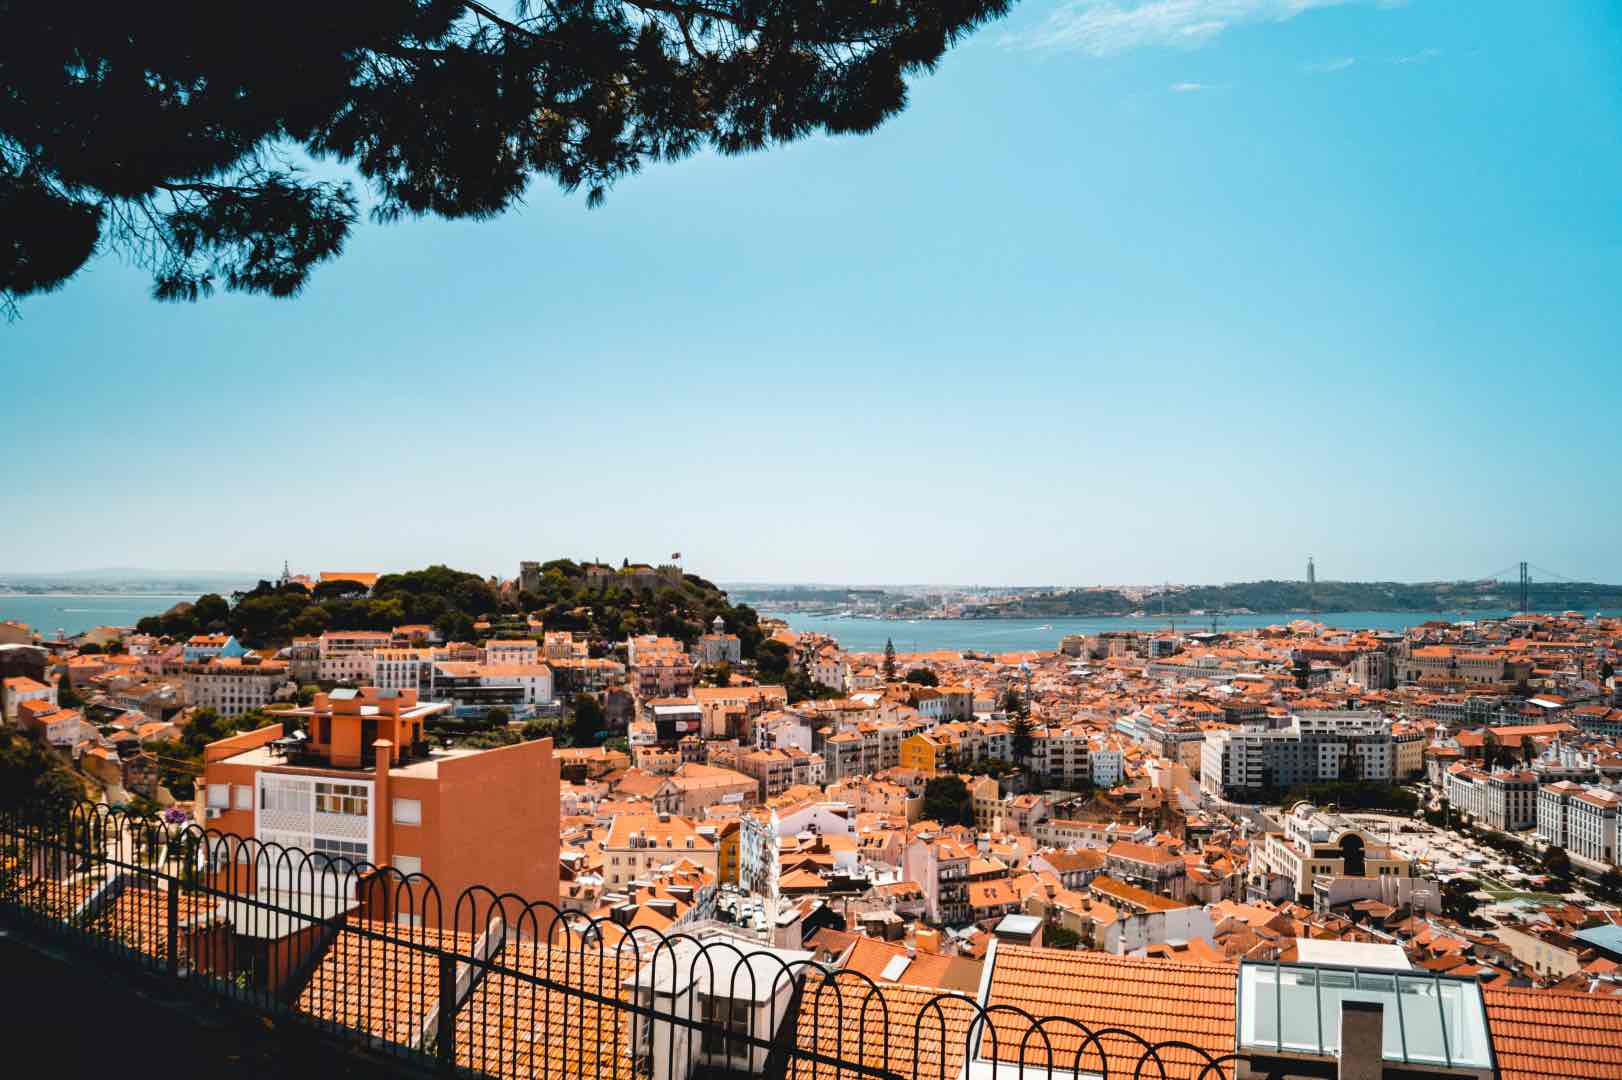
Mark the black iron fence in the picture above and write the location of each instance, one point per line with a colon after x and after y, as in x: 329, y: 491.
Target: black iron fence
x: 492, y: 984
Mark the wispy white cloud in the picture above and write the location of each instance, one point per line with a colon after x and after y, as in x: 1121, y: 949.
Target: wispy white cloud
x: 1188, y: 87
x: 1419, y: 57
x: 1107, y: 27
x: 1326, y: 66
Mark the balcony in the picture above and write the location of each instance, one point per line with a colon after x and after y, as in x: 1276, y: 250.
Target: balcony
x: 419, y: 750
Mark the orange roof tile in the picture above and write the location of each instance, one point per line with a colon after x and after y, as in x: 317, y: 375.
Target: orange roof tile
x: 1159, y: 1000
x: 1539, y: 1035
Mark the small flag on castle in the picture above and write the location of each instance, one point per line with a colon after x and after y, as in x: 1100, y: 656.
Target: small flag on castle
x: 675, y: 555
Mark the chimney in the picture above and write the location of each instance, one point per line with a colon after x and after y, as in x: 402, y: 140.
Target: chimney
x: 1362, y: 1040
x: 382, y: 805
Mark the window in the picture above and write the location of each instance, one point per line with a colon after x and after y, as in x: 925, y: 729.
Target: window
x: 408, y: 811
x: 408, y: 864
x: 219, y: 796
x: 343, y: 856
x: 724, y: 1017
x: 244, y: 797
x: 347, y: 799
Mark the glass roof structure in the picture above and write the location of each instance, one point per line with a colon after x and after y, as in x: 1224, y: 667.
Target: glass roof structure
x: 1294, y: 1010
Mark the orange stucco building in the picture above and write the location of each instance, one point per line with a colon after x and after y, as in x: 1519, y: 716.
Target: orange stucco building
x: 365, y: 787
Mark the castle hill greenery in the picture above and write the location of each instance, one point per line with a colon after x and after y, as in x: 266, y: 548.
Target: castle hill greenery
x: 463, y: 606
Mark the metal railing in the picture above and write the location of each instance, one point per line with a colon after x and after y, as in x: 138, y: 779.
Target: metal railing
x: 491, y: 984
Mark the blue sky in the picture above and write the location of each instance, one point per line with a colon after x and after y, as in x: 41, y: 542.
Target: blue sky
x: 1133, y: 291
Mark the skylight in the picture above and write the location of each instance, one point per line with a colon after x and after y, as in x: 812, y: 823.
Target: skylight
x: 1294, y: 1009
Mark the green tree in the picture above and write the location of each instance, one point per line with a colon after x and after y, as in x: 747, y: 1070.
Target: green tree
x: 1060, y: 937
x: 535, y: 729
x: 32, y: 778
x: 1556, y: 863
x: 66, y: 696
x: 772, y: 659
x: 923, y: 677
x: 947, y: 800
x: 157, y: 131
x: 588, y: 719
x: 498, y: 716
x: 1606, y: 670
x: 889, y: 660
x: 1022, y: 736
x: 211, y: 612
x: 454, y: 626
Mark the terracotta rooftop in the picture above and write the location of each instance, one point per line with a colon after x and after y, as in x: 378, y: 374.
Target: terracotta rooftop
x: 1160, y: 1000
x: 907, y: 1030
x: 512, y: 1027
x: 1539, y: 1035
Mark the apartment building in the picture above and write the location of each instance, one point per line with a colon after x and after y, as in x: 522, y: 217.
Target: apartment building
x: 365, y: 788
x: 402, y: 669
x: 1070, y: 833
x: 1155, y: 867
x: 1592, y: 827
x: 872, y: 795
x: 778, y: 770
x: 45, y: 721
x: 1105, y: 759
x: 1582, y: 819
x: 525, y: 651
x: 1063, y: 753
x: 639, y: 846
x: 1174, y: 740
x: 692, y: 787
x: 346, y: 655
x: 661, y: 675
x: 927, y: 751
x: 1314, y: 747
x: 20, y: 688
x: 1504, y: 799
x: 1408, y: 749
x: 232, y: 686
x: 940, y: 866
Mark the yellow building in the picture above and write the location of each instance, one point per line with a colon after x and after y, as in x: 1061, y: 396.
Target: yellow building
x: 987, y: 797
x: 925, y: 752
x: 727, y: 851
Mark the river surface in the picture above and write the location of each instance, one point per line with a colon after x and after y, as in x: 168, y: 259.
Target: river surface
x: 1021, y: 635
x: 74, y: 614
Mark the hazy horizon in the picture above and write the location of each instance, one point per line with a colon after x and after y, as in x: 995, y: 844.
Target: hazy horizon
x: 111, y: 575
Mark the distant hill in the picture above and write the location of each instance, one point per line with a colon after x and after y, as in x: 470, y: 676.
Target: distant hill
x: 1328, y: 596
x: 124, y: 580
x: 605, y: 609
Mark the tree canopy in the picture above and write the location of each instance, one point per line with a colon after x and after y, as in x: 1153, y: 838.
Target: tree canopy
x: 947, y: 800
x: 451, y: 600
x: 171, y: 133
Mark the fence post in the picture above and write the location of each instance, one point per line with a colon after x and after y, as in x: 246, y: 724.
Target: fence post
x: 172, y: 921
x: 446, y: 1039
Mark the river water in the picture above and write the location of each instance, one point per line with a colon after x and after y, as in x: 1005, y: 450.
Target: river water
x: 74, y: 614
x: 78, y: 613
x: 1020, y: 635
